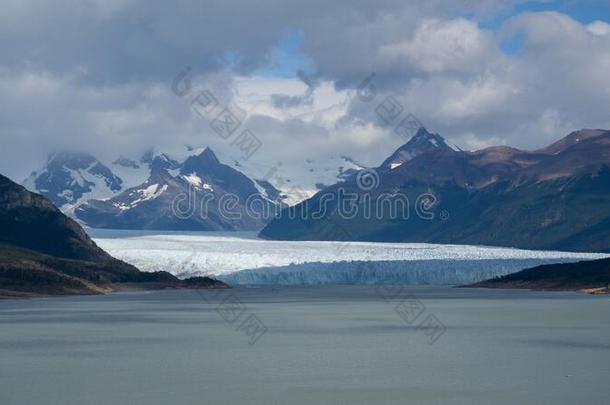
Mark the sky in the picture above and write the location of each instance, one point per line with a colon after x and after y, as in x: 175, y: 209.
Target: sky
x: 107, y: 76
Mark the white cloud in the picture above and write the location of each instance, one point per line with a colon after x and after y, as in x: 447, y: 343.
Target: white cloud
x: 102, y: 79
x: 443, y: 46
x: 599, y: 28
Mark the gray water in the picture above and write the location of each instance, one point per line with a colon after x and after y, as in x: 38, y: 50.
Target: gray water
x: 315, y: 345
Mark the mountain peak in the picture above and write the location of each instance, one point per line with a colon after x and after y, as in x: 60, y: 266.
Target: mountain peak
x: 572, y: 139
x: 422, y: 142
x: 201, y: 163
x: 161, y: 163
x: 423, y: 137
x: 209, y: 155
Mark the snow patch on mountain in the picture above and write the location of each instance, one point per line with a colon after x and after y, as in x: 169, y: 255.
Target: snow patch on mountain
x: 196, y: 181
x: 149, y: 193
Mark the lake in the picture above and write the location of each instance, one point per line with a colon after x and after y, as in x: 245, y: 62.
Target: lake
x: 307, y: 345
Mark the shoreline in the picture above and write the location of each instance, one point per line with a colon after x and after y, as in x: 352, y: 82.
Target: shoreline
x: 491, y: 285
x: 113, y: 288
x: 6, y: 295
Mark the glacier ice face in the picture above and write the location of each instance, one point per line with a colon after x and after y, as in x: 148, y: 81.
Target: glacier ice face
x: 241, y: 258
x: 408, y: 272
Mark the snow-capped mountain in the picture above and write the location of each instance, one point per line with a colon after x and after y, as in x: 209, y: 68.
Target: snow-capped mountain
x: 69, y: 178
x: 199, y: 194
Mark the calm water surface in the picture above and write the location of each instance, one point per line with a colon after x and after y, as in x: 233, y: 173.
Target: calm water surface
x: 315, y: 345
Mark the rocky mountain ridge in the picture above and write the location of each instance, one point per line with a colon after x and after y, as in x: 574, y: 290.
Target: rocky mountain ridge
x: 553, y: 198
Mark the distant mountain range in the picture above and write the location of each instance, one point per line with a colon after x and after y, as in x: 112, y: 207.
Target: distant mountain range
x: 71, y: 179
x: 42, y: 251
x: 553, y: 198
x: 186, y: 196
x: 162, y: 193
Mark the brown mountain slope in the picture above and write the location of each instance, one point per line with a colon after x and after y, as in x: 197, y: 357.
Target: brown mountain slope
x: 593, y: 275
x: 555, y: 198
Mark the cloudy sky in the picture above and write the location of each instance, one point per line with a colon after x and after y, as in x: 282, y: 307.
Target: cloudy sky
x: 107, y: 75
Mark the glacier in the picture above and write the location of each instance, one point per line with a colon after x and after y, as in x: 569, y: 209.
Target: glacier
x: 243, y: 259
x: 403, y: 272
